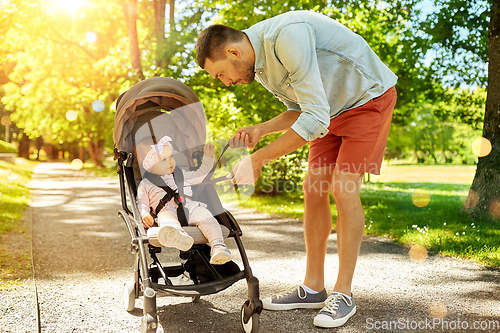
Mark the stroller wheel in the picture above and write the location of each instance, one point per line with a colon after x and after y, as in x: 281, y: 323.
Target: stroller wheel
x: 252, y: 325
x: 129, y: 295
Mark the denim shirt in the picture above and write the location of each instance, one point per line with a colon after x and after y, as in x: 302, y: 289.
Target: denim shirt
x: 316, y: 66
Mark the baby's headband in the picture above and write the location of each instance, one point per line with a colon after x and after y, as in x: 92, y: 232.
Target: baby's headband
x: 156, y: 150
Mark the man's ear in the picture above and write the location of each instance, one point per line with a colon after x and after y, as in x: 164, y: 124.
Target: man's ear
x: 233, y: 51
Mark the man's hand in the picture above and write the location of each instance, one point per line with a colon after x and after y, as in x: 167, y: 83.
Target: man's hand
x: 246, y: 137
x: 147, y: 221
x: 208, y: 150
x: 245, y: 172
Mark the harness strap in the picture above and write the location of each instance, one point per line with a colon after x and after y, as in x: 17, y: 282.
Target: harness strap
x: 182, y: 212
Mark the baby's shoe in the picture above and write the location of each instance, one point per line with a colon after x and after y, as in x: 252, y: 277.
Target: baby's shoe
x: 220, y: 254
x: 174, y: 237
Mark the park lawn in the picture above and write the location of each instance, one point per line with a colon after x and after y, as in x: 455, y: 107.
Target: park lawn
x: 15, y: 262
x: 441, y: 226
x: 14, y: 195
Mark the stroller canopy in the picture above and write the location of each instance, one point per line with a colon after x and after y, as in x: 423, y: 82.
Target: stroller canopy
x: 154, y: 94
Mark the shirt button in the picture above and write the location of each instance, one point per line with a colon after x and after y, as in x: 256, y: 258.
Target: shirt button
x: 260, y: 72
x: 288, y: 84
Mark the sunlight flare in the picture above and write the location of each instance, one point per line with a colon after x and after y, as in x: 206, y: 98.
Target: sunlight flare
x: 77, y: 164
x: 69, y: 5
x: 71, y: 115
x: 421, y: 198
x: 437, y: 309
x: 418, y: 253
x: 481, y: 147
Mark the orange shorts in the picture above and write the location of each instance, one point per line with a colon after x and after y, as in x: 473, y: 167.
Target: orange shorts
x: 356, y: 139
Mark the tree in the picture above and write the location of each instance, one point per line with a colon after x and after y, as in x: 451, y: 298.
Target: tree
x: 487, y: 179
x: 466, y: 36
x: 64, y: 62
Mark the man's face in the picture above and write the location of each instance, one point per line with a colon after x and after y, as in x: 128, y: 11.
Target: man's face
x: 231, y: 70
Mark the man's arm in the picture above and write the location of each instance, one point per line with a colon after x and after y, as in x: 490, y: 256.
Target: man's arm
x: 247, y: 171
x: 248, y: 136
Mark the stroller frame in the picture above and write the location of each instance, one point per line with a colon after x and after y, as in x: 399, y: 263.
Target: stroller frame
x: 146, y: 277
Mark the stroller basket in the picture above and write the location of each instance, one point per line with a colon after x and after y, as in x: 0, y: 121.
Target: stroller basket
x: 151, y: 108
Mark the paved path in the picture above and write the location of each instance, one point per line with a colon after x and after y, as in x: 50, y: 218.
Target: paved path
x: 81, y: 255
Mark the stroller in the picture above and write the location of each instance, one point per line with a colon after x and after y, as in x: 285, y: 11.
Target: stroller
x: 150, y: 109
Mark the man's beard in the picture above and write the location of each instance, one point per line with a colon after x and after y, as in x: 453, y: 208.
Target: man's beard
x: 246, y: 69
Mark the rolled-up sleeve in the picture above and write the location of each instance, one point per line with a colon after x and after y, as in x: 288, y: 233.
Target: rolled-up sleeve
x: 295, y: 48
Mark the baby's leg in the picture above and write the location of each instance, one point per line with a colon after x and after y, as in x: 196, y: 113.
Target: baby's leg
x: 203, y: 219
x: 170, y: 233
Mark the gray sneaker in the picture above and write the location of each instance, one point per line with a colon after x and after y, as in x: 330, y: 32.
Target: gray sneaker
x: 338, y: 309
x: 295, y: 298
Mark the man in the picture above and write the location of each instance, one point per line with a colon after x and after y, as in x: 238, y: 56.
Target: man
x: 339, y: 97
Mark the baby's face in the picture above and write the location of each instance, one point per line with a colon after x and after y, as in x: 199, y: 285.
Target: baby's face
x: 166, y: 162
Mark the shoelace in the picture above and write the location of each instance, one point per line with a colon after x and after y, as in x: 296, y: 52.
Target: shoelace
x: 296, y: 288
x: 332, y: 303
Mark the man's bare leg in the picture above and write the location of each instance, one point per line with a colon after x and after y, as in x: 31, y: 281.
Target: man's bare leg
x: 350, y: 226
x: 317, y: 224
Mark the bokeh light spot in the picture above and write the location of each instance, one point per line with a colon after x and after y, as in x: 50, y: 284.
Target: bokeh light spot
x: 418, y: 253
x: 5, y: 121
x: 71, y: 115
x: 77, y: 164
x: 91, y: 37
x: 437, y: 309
x: 471, y: 200
x: 98, y: 105
x: 420, y: 198
x: 481, y: 147
x: 495, y: 208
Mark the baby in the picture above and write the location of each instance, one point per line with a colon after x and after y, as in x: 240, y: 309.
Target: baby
x: 158, y: 159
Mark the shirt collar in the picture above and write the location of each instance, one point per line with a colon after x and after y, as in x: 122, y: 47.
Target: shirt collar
x: 257, y: 47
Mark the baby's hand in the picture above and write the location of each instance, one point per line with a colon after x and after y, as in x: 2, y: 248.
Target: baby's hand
x: 209, y: 150
x: 147, y: 221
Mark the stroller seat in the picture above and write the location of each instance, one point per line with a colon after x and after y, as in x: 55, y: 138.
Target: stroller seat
x: 198, y: 236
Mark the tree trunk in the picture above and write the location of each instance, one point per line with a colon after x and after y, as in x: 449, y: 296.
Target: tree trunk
x: 81, y: 153
x: 24, y: 146
x: 159, y: 12
x: 38, y: 145
x: 130, y: 12
x: 484, y: 196
x: 96, y: 153
x: 171, y: 19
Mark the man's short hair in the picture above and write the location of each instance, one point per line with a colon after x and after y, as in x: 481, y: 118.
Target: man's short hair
x: 213, y: 40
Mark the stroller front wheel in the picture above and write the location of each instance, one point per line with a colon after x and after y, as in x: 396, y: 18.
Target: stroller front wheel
x: 129, y: 295
x: 252, y: 325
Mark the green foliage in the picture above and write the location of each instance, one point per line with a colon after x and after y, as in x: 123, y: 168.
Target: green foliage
x: 59, y: 68
x: 284, y: 175
x: 49, y: 67
x: 425, y: 138
x: 458, y: 30
x: 14, y: 195
x: 7, y: 147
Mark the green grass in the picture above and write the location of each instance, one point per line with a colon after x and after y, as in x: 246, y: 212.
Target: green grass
x: 14, y: 195
x: 15, y: 262
x: 442, y: 226
x: 7, y: 147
